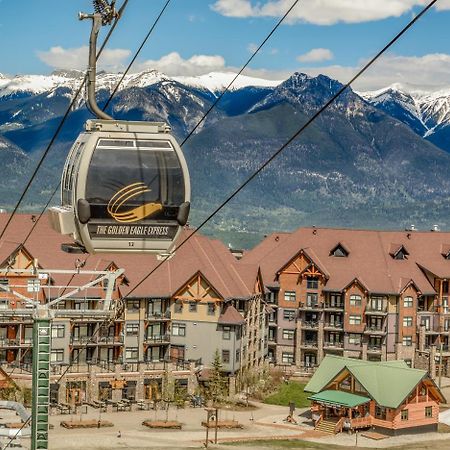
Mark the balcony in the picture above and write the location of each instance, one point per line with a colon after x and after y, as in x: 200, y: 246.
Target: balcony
x: 426, y: 309
x: 310, y: 306
x: 158, y: 339
x: 158, y: 316
x: 4, y: 342
x: 374, y: 348
x: 310, y: 325
x: 333, y: 345
x: 374, y: 330
x: 83, y: 340
x: 375, y: 310
x: 110, y: 340
x: 430, y: 329
x: 309, y: 344
x: 333, y: 307
x: 361, y: 422
x: 334, y: 326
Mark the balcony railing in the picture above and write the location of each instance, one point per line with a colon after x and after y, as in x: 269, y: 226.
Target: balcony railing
x: 310, y: 325
x: 334, y: 344
x: 110, y: 340
x: 160, y: 338
x: 334, y: 325
x: 429, y: 328
x: 426, y: 309
x: 309, y: 344
x: 361, y: 422
x: 376, y: 310
x: 374, y: 348
x: 374, y: 330
x: 4, y: 342
x: 334, y: 306
x: 159, y: 315
x: 310, y: 305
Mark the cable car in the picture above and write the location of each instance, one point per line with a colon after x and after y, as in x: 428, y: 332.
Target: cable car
x: 125, y: 185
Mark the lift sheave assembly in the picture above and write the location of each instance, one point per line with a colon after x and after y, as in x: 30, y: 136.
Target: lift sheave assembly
x: 125, y: 185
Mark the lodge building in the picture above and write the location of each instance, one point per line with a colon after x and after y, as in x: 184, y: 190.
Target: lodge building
x: 292, y: 300
x: 374, y: 295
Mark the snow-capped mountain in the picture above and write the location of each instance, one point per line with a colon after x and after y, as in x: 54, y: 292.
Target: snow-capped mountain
x: 355, y: 165
x: 428, y: 114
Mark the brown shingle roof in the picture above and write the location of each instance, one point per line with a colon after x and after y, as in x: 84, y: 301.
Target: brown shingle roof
x: 369, y: 259
x: 209, y: 256
x: 231, y: 316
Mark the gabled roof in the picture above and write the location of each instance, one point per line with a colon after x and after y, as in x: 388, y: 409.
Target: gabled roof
x: 368, y: 260
x: 387, y: 382
x: 211, y: 257
x: 231, y: 316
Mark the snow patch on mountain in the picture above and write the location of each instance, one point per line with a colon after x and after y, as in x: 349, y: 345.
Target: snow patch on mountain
x: 218, y: 81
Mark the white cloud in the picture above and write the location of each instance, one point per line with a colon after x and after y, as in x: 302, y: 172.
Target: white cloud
x: 322, y: 12
x: 173, y: 64
x: 252, y: 47
x: 316, y: 55
x: 429, y: 72
x: 77, y: 58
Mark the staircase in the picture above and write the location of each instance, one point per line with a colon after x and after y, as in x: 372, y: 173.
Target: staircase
x: 326, y: 426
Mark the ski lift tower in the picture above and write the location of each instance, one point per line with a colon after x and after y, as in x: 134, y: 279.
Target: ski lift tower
x: 106, y: 309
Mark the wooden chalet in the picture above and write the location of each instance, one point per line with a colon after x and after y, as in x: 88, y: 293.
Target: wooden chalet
x: 387, y: 396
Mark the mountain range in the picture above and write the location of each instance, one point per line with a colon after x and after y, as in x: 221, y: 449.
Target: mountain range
x: 375, y: 159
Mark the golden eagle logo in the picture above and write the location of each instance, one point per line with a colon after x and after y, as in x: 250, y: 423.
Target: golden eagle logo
x: 135, y: 214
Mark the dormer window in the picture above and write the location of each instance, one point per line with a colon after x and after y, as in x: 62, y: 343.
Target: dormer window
x: 339, y: 251
x: 400, y: 253
x: 446, y: 255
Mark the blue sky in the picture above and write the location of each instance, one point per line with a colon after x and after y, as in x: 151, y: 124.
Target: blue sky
x: 198, y: 36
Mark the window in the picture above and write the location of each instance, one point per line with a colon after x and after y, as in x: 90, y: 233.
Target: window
x: 354, y: 339
x: 407, y: 302
x: 131, y: 353
x: 178, y: 307
x: 132, y: 329
x: 133, y: 305
x: 355, y: 300
x: 287, y: 358
x: 178, y: 329
x: 192, y: 307
x: 33, y: 285
x: 354, y: 320
x: 312, y: 299
x: 407, y: 321
x: 446, y: 324
x: 4, y: 303
x: 57, y: 355
x: 289, y: 314
x: 380, y: 412
x: 289, y: 296
x: 288, y: 334
x: 211, y: 309
x: 339, y: 251
x: 312, y: 283
x: 238, y: 355
x: 428, y: 411
x: 407, y: 341
x: 404, y: 414
x: 4, y: 282
x: 226, y: 333
x: 58, y: 331
x: 226, y: 356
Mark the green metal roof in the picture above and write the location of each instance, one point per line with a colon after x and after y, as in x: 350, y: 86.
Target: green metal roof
x: 340, y: 398
x: 387, y: 382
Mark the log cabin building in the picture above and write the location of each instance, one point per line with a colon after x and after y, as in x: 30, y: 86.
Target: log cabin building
x: 386, y: 396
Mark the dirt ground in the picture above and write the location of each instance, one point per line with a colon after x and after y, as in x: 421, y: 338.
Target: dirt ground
x: 264, y: 422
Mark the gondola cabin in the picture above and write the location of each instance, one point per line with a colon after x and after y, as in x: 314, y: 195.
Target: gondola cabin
x: 125, y: 188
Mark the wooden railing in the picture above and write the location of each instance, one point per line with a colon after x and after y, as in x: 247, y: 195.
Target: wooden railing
x: 339, y: 425
x: 361, y: 422
x: 318, y: 422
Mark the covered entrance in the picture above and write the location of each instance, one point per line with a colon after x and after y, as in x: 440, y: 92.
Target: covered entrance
x: 333, y: 411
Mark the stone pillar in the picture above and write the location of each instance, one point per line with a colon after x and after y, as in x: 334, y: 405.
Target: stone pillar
x: 320, y: 342
x: 421, y: 338
x: 433, y: 362
x: 364, y: 351
x: 298, y: 343
x: 62, y: 391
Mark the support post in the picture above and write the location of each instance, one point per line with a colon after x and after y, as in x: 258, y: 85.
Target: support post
x: 40, y: 384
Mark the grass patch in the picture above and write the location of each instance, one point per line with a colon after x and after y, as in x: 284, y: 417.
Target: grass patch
x: 289, y: 392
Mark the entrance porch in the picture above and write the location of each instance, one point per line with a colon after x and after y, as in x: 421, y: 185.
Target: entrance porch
x: 334, y: 411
